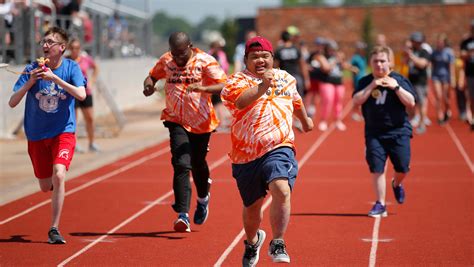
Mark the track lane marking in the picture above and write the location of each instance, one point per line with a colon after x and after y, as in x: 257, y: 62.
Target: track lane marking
x: 90, y: 183
x: 301, y: 163
x: 133, y: 217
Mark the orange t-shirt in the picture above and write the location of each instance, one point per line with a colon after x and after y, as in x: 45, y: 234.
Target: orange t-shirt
x: 193, y: 111
x: 266, y: 123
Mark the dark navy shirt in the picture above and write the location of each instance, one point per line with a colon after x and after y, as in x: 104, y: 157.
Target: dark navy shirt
x: 386, y: 116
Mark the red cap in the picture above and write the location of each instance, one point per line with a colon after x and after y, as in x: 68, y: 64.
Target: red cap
x: 258, y: 43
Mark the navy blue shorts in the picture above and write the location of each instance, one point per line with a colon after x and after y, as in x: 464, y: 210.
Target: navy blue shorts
x: 253, y: 177
x: 396, y: 148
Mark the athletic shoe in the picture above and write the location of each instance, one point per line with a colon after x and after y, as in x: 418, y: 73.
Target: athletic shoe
x: 277, y: 251
x: 399, y: 192
x: 341, y: 126
x: 54, y: 237
x: 323, y: 126
x: 251, y: 254
x: 202, y: 211
x: 182, y: 224
x: 79, y: 149
x: 378, y: 210
x: 94, y: 148
x: 421, y: 129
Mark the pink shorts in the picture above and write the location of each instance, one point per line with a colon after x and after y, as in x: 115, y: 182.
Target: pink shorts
x: 47, y: 152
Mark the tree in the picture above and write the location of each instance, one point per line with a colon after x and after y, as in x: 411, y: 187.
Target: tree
x: 229, y: 31
x: 367, y: 30
x: 163, y: 25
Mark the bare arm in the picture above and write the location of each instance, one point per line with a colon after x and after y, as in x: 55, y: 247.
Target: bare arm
x: 360, y: 97
x: 306, y: 121
x: 212, y: 89
x: 17, y: 96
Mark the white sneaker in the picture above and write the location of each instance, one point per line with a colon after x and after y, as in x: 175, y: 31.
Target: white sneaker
x: 94, y: 148
x: 323, y: 126
x: 341, y: 126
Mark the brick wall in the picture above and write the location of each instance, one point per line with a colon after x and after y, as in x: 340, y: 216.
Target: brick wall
x: 344, y: 24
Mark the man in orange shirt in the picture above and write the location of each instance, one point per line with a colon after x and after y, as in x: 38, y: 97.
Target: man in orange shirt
x: 192, y: 76
x: 262, y: 101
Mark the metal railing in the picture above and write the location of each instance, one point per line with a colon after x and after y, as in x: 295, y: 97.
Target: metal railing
x: 29, y: 26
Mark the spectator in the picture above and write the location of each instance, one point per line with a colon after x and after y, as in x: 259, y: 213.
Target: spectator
x: 87, y: 64
x: 467, y: 54
x: 239, y: 64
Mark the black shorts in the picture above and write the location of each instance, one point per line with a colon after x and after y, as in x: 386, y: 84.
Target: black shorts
x: 86, y: 103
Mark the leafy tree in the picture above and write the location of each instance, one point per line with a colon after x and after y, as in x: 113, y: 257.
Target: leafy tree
x: 164, y: 25
x: 302, y: 2
x: 229, y: 29
x: 367, y: 30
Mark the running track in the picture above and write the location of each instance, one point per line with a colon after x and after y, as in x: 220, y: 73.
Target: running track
x: 120, y: 215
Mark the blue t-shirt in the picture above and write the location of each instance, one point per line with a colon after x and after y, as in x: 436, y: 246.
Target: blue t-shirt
x: 49, y: 109
x: 359, y: 62
x: 440, y: 62
x: 386, y: 116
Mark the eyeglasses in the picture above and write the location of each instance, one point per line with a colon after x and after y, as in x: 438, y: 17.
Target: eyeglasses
x: 48, y: 42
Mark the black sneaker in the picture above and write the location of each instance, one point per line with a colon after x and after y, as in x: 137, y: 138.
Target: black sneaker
x: 54, y: 237
x: 251, y: 254
x: 277, y: 251
x: 202, y: 211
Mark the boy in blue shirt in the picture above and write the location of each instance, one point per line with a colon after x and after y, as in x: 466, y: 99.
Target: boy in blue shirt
x: 50, y: 88
x: 385, y: 95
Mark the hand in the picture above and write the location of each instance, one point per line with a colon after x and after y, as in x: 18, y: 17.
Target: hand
x: 148, y: 90
x: 267, y: 78
x: 308, y: 125
x: 46, y: 73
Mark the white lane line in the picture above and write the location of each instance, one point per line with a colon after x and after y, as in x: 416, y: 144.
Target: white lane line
x: 113, y: 230
x: 375, y: 242
x: 301, y: 162
x: 460, y: 147
x: 237, y: 239
x: 133, y: 217
x: 90, y: 183
x: 453, y: 136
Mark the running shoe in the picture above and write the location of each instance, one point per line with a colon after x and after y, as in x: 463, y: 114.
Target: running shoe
x: 182, y: 224
x: 54, y: 237
x: 277, y: 251
x: 399, y: 192
x: 202, y: 211
x: 378, y: 210
x: 252, y: 252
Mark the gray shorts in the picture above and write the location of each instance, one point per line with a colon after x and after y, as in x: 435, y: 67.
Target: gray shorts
x: 422, y: 93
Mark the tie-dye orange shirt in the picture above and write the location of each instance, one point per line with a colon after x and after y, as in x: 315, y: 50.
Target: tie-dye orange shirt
x: 266, y: 123
x: 193, y: 111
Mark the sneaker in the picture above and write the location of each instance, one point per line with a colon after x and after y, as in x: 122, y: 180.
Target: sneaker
x: 182, y: 224
x: 202, y: 211
x: 356, y: 117
x: 79, y: 149
x: 54, y: 237
x: 277, y: 251
x: 427, y: 121
x: 297, y: 124
x: 341, y: 126
x: 311, y: 111
x: 399, y: 192
x: 323, y: 126
x: 94, y: 148
x: 421, y: 129
x: 251, y: 254
x: 378, y: 210
x: 415, y: 121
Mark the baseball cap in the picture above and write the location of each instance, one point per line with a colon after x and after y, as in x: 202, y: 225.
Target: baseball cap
x: 258, y: 43
x: 417, y: 37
